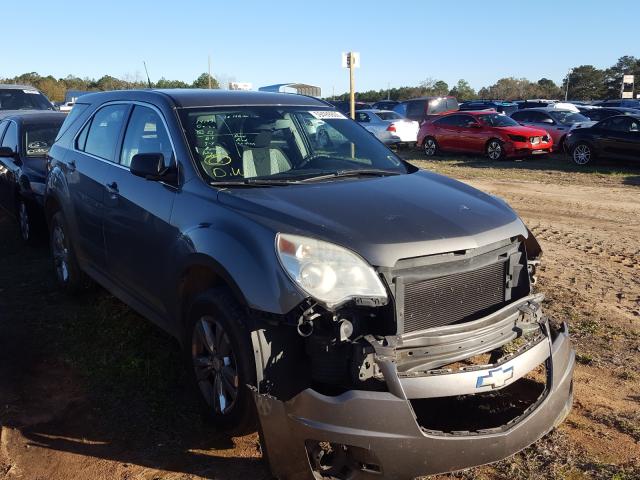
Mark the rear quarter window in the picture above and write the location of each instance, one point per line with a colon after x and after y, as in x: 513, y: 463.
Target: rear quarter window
x: 75, y: 113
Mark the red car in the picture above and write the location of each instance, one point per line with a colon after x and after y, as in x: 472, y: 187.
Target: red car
x: 487, y: 132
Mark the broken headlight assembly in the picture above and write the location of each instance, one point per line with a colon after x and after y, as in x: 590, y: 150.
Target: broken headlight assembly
x: 329, y: 273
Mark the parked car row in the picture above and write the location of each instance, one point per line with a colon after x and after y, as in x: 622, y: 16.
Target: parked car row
x: 316, y: 282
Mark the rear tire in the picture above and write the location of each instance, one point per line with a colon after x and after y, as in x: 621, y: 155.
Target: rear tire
x: 582, y: 154
x: 495, y: 150
x: 26, y: 224
x: 220, y: 361
x: 70, y: 277
x: 430, y: 147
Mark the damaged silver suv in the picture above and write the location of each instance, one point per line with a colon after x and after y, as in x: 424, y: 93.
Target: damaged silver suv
x: 373, y: 319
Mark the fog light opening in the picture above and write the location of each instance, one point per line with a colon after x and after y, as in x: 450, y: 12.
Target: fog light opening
x: 330, y: 460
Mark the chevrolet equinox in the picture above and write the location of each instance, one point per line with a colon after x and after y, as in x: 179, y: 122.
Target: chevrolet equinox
x: 373, y: 319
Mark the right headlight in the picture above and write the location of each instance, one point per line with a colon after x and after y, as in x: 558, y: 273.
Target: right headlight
x: 329, y: 273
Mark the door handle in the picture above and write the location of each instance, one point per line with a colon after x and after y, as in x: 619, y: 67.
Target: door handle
x: 112, y: 188
x: 71, y: 165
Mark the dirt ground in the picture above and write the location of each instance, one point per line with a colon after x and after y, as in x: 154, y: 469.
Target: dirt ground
x: 89, y: 390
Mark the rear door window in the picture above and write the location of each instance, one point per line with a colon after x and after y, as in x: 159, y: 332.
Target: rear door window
x: 415, y: 109
x: 11, y: 137
x: 3, y: 127
x: 104, y: 132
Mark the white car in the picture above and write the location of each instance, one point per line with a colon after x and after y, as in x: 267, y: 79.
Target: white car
x: 389, y: 127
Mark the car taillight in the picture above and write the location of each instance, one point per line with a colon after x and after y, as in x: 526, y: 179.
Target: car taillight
x: 391, y: 128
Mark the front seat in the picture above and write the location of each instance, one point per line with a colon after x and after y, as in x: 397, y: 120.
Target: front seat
x: 263, y: 160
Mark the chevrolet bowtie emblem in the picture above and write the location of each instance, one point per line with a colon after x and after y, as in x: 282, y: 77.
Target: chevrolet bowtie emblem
x: 496, y: 378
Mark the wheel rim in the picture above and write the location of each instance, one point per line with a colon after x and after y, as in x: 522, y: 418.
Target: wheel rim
x: 23, y: 219
x: 429, y: 147
x: 494, y: 150
x: 581, y: 154
x: 60, y: 253
x: 215, y: 365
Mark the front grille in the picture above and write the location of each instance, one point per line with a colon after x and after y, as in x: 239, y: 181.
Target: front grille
x: 454, y: 298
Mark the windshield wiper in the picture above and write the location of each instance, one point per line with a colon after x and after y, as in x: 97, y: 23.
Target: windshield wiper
x: 253, y: 182
x: 357, y: 172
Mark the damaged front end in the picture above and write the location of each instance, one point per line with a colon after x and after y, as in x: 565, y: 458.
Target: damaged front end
x: 460, y: 368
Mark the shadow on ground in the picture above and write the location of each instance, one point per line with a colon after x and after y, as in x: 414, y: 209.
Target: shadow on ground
x: 88, y: 376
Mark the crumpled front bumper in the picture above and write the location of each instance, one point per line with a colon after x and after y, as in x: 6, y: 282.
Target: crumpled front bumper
x: 382, y: 435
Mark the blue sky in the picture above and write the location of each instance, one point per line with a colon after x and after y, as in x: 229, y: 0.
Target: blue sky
x: 265, y: 42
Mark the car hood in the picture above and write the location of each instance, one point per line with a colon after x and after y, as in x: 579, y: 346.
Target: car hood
x: 384, y: 219
x: 522, y: 130
x: 582, y: 125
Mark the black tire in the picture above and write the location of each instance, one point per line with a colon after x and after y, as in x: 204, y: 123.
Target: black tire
x: 495, y: 150
x: 430, y: 147
x: 582, y: 153
x: 221, y: 372
x: 28, y: 227
x: 68, y: 273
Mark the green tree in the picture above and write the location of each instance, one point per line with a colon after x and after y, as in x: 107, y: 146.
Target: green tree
x: 626, y: 65
x: 463, y: 91
x: 164, y: 83
x: 586, y: 82
x: 203, y: 82
x: 440, y: 88
x: 548, y: 89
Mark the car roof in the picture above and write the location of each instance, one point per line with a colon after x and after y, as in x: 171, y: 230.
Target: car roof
x: 545, y: 110
x: 12, y: 86
x: 376, y: 110
x: 200, y: 97
x: 34, y: 116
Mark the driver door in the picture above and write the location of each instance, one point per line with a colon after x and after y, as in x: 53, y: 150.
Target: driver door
x: 138, y: 235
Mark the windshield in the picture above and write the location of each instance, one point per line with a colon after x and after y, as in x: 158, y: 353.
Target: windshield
x: 17, y: 99
x: 569, y: 117
x: 39, y: 138
x: 497, y: 120
x: 389, y: 115
x: 282, y: 143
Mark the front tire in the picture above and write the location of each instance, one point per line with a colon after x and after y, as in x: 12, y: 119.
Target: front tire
x: 495, y: 150
x: 582, y: 154
x: 220, y: 361
x: 26, y: 225
x: 430, y: 147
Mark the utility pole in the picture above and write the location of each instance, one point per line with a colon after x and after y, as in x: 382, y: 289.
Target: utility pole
x: 351, y: 60
x: 566, y: 92
x: 388, y: 90
x: 352, y: 90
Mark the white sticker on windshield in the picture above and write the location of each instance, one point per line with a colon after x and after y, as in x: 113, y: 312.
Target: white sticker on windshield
x: 34, y: 92
x: 328, y: 115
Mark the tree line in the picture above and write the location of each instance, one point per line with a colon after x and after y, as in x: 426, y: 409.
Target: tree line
x: 586, y: 82
x: 55, y: 88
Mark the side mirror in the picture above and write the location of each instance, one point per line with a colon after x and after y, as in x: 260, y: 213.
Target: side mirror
x: 548, y: 120
x: 149, y: 166
x: 475, y: 125
x: 7, y: 152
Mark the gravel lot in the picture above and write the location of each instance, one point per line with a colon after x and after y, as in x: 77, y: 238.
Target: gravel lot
x: 90, y: 390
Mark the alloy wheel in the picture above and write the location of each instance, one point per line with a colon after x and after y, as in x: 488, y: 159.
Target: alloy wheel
x: 429, y: 147
x: 24, y: 222
x: 582, y: 154
x: 494, y: 150
x: 215, y: 365
x: 60, y: 250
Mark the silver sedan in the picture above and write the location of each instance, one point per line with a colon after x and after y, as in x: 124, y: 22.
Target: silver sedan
x: 389, y: 127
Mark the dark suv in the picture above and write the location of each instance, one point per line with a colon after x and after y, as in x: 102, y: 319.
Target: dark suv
x: 375, y: 318
x: 419, y: 109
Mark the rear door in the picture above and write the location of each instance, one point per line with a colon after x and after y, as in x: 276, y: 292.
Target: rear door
x: 89, y: 164
x: 8, y: 168
x: 451, y: 132
x: 137, y: 232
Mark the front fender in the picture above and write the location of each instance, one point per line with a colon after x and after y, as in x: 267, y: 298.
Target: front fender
x: 243, y: 254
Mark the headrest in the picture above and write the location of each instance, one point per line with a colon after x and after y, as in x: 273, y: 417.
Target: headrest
x: 262, y: 139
